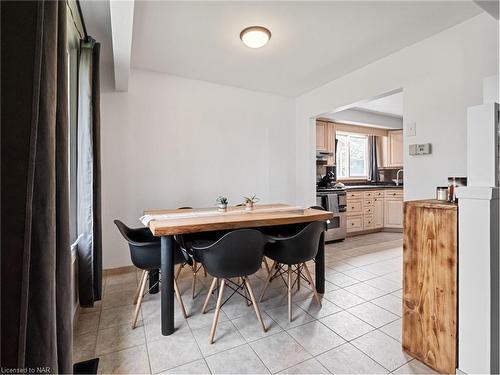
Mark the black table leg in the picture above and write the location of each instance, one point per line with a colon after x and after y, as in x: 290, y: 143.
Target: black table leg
x: 154, y: 276
x: 167, y: 285
x: 320, y: 265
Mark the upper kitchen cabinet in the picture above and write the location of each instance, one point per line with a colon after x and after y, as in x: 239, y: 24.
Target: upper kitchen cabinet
x: 395, y: 148
x: 325, y: 139
x: 322, y: 136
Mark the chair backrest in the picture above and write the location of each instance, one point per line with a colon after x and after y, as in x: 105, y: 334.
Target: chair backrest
x: 237, y: 253
x: 318, y: 208
x: 298, y: 248
x: 145, y: 249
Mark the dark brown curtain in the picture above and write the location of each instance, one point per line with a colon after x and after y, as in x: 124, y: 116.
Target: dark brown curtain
x: 89, y: 175
x: 372, y: 159
x: 96, y: 124
x: 36, y: 258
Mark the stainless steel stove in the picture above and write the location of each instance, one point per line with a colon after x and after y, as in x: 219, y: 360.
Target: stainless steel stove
x: 334, y: 200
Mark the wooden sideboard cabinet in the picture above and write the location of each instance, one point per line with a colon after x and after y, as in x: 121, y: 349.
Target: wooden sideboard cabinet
x: 430, y: 283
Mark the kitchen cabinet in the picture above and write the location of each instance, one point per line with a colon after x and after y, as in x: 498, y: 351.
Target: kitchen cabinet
x: 354, y: 223
x: 325, y: 139
x: 393, y: 213
x: 370, y: 210
x: 365, y: 210
x: 395, y: 148
x: 322, y: 136
x: 430, y: 283
x: 378, y: 212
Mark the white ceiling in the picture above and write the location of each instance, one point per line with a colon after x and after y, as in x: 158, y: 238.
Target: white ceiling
x: 312, y: 42
x: 391, y: 105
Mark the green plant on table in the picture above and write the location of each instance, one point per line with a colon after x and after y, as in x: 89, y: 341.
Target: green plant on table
x: 222, y: 200
x: 251, y: 200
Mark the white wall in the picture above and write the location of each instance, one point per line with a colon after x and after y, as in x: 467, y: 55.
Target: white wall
x: 171, y: 142
x: 440, y: 76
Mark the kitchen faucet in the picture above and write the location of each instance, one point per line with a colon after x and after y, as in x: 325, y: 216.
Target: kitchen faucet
x: 397, y: 176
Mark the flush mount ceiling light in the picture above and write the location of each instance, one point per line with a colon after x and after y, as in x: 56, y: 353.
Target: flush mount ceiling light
x: 255, y: 36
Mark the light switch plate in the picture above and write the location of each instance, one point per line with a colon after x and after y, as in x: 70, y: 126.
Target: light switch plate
x: 411, y: 129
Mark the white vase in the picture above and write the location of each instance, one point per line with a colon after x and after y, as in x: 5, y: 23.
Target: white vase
x: 222, y: 207
x: 249, y: 206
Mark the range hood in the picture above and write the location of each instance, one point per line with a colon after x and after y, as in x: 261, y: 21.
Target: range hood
x: 322, y: 156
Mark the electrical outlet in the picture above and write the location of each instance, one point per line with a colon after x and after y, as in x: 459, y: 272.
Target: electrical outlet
x: 411, y: 129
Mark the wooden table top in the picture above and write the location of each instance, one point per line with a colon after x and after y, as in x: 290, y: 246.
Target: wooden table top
x: 203, y: 220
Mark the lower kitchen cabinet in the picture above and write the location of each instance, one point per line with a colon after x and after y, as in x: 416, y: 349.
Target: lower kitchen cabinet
x: 354, y: 223
x: 378, y: 212
x: 393, y: 213
x: 370, y: 210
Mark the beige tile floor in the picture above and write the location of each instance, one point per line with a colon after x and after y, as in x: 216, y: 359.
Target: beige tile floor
x: 357, y: 329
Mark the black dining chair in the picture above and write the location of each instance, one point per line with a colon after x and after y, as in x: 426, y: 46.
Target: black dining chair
x: 185, y: 241
x: 293, y: 250
x: 236, y: 254
x: 145, y: 252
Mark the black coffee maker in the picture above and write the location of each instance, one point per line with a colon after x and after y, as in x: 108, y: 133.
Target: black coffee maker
x: 329, y: 179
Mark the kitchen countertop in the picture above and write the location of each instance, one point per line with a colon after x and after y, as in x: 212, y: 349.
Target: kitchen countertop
x: 372, y: 187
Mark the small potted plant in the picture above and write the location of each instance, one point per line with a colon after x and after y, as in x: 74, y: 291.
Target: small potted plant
x: 250, y: 201
x: 222, y: 203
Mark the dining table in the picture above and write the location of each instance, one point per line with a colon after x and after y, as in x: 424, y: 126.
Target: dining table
x: 169, y: 223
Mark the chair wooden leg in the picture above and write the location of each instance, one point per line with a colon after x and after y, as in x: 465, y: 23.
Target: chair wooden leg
x: 241, y: 281
x: 144, y: 281
x: 255, y: 306
x: 138, y: 291
x: 193, y: 283
x: 210, y: 290
x: 298, y: 277
x: 179, y: 299
x: 267, y: 265
x: 289, y: 271
x: 217, y: 310
x: 313, y: 287
x: 268, y: 279
x: 178, y: 272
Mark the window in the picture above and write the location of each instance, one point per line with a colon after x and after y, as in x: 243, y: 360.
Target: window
x: 72, y: 48
x: 352, y: 155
